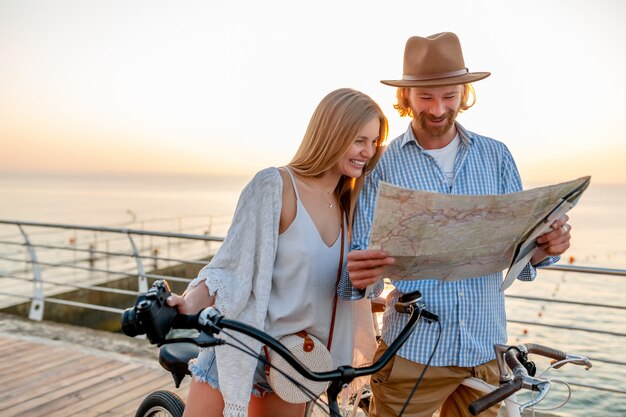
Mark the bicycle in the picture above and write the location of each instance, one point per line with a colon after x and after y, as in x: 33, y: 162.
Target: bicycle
x: 516, y: 372
x: 152, y: 316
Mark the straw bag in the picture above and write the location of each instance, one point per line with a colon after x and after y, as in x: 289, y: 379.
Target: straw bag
x: 310, y: 351
x: 313, y: 354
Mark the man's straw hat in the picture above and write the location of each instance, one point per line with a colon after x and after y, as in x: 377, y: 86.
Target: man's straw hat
x: 435, y: 61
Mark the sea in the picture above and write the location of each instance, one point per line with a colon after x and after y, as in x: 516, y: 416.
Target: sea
x: 181, y: 202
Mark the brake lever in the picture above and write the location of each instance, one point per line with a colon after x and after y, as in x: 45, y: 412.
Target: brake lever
x: 573, y: 359
x: 541, y: 386
x: 203, y: 340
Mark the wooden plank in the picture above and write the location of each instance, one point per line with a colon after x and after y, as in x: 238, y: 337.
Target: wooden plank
x: 33, y: 357
x: 40, y: 377
x: 18, y: 354
x: 19, y: 348
x: 64, y: 387
x: 56, y: 377
x: 130, y: 407
x: 52, y: 368
x: 24, y: 386
x: 54, y: 387
x: 139, y: 391
x: 6, y: 345
x: 82, y: 400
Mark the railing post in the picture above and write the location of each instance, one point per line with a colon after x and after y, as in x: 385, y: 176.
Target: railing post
x: 92, y: 258
x: 155, y: 253
x: 209, y: 230
x: 180, y: 230
x: 107, y: 262
x: 142, y: 281
x: 37, y: 303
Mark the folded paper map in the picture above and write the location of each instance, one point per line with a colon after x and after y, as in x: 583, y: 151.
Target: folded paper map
x: 450, y: 237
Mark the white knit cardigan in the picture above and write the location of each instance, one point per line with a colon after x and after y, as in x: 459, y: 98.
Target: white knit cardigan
x: 240, y: 276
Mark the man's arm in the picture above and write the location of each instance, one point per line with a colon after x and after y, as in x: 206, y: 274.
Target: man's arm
x: 364, y: 267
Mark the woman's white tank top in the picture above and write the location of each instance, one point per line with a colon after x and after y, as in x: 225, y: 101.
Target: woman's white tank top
x: 304, y: 284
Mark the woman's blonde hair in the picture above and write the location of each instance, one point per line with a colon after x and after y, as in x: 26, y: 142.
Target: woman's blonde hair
x: 333, y: 127
x: 404, y: 109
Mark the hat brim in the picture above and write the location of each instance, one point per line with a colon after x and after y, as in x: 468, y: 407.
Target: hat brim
x: 439, y: 82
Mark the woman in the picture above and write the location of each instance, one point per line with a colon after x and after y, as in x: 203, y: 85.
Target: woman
x: 277, y: 267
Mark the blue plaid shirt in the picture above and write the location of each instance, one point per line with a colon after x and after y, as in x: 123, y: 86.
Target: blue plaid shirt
x: 471, y: 311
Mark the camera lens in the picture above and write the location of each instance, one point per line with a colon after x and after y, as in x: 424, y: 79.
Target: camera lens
x: 129, y: 324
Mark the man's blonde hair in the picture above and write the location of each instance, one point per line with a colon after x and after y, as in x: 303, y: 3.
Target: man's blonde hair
x: 333, y: 127
x: 404, y: 109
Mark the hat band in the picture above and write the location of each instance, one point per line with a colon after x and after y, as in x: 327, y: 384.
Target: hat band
x: 435, y: 76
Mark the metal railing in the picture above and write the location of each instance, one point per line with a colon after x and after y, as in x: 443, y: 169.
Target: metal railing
x: 95, y: 254
x: 122, y: 255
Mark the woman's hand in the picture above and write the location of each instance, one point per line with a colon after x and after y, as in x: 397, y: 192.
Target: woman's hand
x: 366, y: 267
x: 191, y: 301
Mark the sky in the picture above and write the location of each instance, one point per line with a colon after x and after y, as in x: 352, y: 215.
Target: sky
x: 228, y: 87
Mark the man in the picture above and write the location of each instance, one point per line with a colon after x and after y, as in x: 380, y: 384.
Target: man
x: 437, y: 154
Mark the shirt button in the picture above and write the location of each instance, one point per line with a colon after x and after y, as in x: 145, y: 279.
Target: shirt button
x: 461, y: 322
x: 461, y: 294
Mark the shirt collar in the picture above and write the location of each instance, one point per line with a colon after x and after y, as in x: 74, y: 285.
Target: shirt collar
x: 409, y: 136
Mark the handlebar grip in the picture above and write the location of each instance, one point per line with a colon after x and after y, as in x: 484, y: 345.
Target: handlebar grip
x: 495, y: 396
x: 546, y: 351
x: 182, y: 321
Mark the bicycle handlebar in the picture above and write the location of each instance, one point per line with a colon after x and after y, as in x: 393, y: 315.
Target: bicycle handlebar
x: 513, y: 357
x: 210, y: 321
x: 545, y: 351
x: 496, y: 396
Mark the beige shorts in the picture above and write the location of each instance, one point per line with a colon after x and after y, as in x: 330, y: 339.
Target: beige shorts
x: 440, y: 388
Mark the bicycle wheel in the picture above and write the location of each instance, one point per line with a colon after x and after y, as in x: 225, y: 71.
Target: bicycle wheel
x: 161, y: 404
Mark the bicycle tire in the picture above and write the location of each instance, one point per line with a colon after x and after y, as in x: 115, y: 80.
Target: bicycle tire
x: 161, y: 403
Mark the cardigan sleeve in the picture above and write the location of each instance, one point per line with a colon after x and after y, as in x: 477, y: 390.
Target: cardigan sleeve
x: 249, y: 246
x: 240, y: 276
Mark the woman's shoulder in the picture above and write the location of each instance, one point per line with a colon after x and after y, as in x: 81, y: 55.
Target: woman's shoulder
x: 264, y: 188
x: 268, y: 174
x: 266, y: 178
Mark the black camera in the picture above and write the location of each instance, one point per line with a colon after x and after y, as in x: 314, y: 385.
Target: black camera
x: 150, y: 315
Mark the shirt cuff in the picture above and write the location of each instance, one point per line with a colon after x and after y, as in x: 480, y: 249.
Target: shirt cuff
x: 346, y: 291
x: 529, y: 272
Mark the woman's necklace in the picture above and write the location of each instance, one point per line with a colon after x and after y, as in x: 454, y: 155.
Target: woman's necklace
x: 330, y: 203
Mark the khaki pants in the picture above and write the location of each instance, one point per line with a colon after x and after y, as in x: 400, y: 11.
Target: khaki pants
x: 440, y: 388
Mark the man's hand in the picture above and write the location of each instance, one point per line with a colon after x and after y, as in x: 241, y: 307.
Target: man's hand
x: 365, y: 267
x: 554, y: 242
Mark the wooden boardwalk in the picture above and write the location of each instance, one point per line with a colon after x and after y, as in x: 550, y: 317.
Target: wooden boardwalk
x: 53, y: 378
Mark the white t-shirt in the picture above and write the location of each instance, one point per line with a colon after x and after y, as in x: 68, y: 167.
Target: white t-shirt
x: 445, y: 158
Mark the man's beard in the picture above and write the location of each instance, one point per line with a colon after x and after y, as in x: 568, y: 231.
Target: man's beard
x: 437, y: 131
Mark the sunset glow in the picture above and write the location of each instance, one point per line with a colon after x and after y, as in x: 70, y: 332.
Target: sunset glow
x: 228, y: 88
